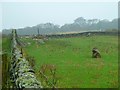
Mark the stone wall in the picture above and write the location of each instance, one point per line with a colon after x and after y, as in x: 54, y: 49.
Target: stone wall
x: 22, y: 75
x: 80, y: 34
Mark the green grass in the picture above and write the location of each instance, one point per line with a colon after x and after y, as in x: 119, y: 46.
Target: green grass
x: 6, y: 44
x: 6, y: 49
x: 72, y: 57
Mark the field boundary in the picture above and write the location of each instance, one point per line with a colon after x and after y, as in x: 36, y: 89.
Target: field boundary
x: 22, y: 74
x: 83, y: 34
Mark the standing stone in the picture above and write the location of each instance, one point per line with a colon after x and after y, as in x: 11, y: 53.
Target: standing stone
x: 95, y: 53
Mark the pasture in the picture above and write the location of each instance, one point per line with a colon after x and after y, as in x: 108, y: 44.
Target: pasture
x: 6, y: 49
x: 72, y: 58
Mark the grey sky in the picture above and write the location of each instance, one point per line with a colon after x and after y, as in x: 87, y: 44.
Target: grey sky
x: 17, y: 15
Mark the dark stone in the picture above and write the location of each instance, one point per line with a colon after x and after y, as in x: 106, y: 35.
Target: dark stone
x: 95, y: 53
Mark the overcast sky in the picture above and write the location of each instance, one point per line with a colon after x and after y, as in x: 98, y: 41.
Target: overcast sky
x: 22, y: 14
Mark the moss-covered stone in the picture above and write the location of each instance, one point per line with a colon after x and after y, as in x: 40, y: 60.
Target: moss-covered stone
x: 21, y: 72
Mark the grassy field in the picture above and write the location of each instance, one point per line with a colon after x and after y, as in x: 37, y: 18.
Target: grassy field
x: 6, y: 49
x: 75, y: 68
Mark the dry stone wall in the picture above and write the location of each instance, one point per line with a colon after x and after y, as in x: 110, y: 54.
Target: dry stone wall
x: 22, y: 75
x: 81, y: 34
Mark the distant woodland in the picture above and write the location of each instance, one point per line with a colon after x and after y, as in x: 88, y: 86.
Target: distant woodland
x: 79, y: 24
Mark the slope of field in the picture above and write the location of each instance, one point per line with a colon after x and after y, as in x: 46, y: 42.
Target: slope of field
x: 75, y: 67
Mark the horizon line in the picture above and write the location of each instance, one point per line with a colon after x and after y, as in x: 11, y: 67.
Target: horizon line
x: 58, y: 24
